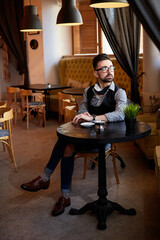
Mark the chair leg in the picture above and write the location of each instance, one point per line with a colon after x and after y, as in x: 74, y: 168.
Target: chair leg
x: 114, y: 163
x: 13, y: 156
x: 44, y: 117
x: 85, y: 168
x: 60, y: 119
x: 11, y: 149
x: 123, y: 165
x: 3, y: 147
x: 15, y: 115
x: 28, y: 118
x: 11, y: 152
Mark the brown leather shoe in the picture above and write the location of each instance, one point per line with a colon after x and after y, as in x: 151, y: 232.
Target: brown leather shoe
x: 60, y: 206
x: 35, y: 185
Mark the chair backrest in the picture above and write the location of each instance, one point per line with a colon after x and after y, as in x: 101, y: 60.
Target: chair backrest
x: 69, y: 113
x: 12, y: 93
x: 13, y: 90
x: 61, y: 97
x: 6, y: 114
x: 25, y: 92
x: 24, y: 96
x: 68, y: 103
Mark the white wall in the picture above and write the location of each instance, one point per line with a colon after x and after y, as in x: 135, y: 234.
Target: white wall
x: 151, y: 67
x: 57, y: 40
x: 54, y: 42
x: 35, y: 57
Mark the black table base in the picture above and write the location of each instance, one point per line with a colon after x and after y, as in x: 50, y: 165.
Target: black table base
x: 102, y: 207
x: 102, y: 211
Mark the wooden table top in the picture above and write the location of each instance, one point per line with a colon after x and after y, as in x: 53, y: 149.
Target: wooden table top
x: 74, y: 91
x: 41, y: 87
x: 113, y: 133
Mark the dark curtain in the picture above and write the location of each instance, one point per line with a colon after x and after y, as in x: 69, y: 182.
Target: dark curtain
x: 11, y: 13
x: 148, y: 12
x: 122, y: 30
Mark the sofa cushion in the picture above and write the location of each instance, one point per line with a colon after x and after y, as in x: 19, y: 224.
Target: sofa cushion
x: 77, y: 84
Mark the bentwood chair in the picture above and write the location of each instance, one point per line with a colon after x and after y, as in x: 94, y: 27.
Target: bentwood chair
x: 63, y: 101
x: 32, y: 103
x: 12, y: 100
x: 69, y: 113
x: 93, y: 156
x: 2, y: 105
x: 6, y: 116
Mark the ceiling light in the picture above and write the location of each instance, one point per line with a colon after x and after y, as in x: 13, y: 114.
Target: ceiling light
x: 30, y: 22
x: 69, y: 15
x: 108, y: 3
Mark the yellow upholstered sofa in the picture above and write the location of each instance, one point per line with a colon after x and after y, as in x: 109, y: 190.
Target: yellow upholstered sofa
x: 80, y: 69
x: 78, y: 72
x: 147, y: 145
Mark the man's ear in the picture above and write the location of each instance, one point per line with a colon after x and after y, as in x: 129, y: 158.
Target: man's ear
x: 96, y: 74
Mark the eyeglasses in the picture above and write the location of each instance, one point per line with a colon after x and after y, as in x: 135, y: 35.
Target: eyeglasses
x: 106, y: 69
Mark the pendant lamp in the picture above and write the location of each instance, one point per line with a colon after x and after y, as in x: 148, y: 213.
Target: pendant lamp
x: 69, y: 15
x: 30, y: 22
x: 108, y: 3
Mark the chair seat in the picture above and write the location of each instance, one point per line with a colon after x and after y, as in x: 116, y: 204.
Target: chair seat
x: 4, y: 133
x: 36, y: 104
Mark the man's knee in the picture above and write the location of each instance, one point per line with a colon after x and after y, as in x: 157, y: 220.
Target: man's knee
x: 69, y: 150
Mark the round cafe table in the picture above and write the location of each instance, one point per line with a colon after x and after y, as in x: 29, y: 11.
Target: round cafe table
x: 74, y: 91
x: 111, y: 133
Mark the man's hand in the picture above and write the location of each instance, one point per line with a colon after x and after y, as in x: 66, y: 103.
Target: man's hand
x: 82, y: 117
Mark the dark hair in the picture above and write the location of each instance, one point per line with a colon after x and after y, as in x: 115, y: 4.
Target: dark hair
x: 99, y: 58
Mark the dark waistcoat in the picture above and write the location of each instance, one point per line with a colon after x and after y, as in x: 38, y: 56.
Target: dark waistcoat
x: 108, y: 104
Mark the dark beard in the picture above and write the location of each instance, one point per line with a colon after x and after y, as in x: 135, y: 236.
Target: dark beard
x: 105, y: 80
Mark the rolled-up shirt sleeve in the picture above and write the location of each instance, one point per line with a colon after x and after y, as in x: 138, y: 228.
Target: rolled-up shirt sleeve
x: 121, y: 101
x: 83, y: 106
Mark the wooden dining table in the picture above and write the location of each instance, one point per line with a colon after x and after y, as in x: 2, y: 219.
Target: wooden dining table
x: 74, y: 91
x: 46, y: 89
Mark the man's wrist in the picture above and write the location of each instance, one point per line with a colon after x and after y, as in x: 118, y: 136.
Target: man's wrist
x: 94, y: 117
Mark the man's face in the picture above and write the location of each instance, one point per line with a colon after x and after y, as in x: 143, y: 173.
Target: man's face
x: 105, y: 71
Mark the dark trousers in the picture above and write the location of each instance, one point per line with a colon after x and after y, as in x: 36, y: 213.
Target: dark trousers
x: 67, y: 163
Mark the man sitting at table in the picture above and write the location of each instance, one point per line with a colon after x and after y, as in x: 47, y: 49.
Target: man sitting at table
x: 102, y: 101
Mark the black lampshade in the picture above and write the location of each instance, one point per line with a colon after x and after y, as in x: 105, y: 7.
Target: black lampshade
x: 69, y: 15
x: 108, y: 3
x: 30, y: 22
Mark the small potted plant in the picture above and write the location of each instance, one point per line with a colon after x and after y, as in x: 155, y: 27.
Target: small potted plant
x: 131, y: 110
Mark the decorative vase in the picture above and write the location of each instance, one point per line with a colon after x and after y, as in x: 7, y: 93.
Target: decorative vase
x: 130, y: 125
